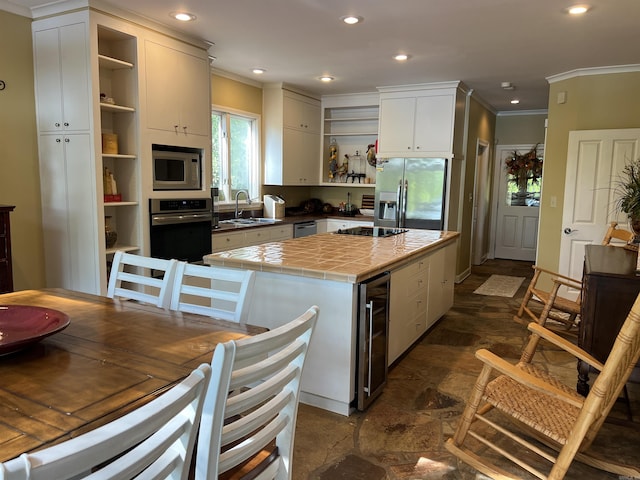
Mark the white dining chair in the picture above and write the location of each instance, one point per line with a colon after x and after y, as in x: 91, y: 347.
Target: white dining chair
x: 217, y: 292
x: 145, y: 279
x: 157, y: 439
x: 252, y: 430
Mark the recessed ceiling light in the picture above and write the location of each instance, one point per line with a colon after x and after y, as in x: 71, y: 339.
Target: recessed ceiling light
x: 326, y: 78
x: 515, y: 101
x: 258, y: 71
x: 183, y: 16
x: 578, y: 9
x: 401, y: 57
x: 351, y: 19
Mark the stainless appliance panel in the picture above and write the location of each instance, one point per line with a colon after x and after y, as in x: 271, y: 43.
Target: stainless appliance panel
x: 304, y: 229
x: 411, y: 193
x: 373, y: 323
x: 176, y: 168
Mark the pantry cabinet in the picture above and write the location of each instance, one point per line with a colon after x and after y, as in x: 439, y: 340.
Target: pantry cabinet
x: 417, y: 122
x: 61, y: 65
x: 292, y: 136
x: 176, y: 85
x: 89, y: 82
x: 70, y: 220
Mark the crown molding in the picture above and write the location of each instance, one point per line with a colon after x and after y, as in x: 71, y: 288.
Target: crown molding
x: 583, y: 72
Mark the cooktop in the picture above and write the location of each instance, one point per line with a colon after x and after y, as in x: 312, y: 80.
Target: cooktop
x: 371, y: 231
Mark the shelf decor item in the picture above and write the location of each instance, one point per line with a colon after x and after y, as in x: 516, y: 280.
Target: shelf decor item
x: 111, y: 236
x: 109, y: 143
x: 110, y: 188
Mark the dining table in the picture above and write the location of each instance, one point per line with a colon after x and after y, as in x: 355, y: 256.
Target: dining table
x: 113, y: 356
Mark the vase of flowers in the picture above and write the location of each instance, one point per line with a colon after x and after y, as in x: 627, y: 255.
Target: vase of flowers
x: 524, y: 168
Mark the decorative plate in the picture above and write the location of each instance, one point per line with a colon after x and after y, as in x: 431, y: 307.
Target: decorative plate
x: 21, y: 325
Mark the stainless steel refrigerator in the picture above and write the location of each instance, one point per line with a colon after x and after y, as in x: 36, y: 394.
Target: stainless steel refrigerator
x: 411, y: 193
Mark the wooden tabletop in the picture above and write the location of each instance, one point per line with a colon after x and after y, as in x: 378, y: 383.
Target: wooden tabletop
x: 113, y: 356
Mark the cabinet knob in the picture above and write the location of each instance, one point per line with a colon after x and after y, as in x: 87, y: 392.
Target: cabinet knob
x: 58, y: 140
x: 66, y: 124
x: 66, y: 140
x: 57, y: 124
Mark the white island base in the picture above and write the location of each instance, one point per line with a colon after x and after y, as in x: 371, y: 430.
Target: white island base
x: 295, y: 274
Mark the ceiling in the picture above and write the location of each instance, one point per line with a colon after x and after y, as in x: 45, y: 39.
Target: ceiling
x: 481, y: 43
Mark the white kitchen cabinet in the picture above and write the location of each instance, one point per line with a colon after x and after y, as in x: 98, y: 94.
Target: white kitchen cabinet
x: 78, y: 56
x: 176, y: 86
x: 420, y: 294
x: 417, y: 122
x: 408, y: 299
x: 441, y: 282
x: 251, y: 236
x: 62, y: 69
x: 70, y: 220
x: 351, y: 123
x: 334, y: 224
x: 292, y: 137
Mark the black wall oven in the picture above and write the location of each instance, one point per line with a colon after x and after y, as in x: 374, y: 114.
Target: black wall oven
x: 180, y: 228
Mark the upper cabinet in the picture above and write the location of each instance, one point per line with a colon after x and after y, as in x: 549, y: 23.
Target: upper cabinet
x: 417, y: 120
x: 292, y: 137
x: 62, y: 72
x: 177, y: 82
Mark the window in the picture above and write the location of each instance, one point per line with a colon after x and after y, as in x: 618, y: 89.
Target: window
x: 235, y: 153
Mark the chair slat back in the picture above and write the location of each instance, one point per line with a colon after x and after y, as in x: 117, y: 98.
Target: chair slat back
x: 141, y: 278
x: 157, y: 438
x: 264, y: 373
x: 217, y: 292
x: 613, y: 232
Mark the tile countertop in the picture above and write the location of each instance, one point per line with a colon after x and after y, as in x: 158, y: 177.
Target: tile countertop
x: 344, y: 258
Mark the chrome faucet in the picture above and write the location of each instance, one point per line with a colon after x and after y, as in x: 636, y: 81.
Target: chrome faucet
x: 246, y: 194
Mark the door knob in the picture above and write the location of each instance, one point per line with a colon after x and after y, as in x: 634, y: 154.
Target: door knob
x: 568, y: 231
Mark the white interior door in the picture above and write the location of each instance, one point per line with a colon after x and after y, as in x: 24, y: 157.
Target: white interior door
x: 595, y: 159
x: 516, y: 223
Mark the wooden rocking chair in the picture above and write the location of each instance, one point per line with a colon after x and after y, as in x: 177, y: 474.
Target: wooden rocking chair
x: 544, y: 408
x: 540, y: 305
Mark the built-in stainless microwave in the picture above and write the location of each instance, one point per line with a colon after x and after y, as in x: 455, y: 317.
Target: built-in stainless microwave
x: 176, y: 168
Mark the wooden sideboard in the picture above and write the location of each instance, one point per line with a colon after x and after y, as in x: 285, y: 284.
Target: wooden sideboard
x: 6, y: 270
x: 610, y: 286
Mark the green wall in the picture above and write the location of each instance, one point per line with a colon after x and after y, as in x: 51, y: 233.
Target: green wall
x: 593, y: 102
x: 19, y: 175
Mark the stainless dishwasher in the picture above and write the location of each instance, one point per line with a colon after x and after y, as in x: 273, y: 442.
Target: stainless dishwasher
x: 304, y: 229
x: 373, y: 322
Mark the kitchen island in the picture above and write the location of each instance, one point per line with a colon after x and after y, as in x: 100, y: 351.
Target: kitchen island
x: 326, y: 270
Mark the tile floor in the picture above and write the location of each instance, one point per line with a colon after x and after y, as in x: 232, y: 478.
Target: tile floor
x: 401, y: 436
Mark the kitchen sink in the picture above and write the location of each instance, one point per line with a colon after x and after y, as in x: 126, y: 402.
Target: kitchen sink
x: 250, y: 221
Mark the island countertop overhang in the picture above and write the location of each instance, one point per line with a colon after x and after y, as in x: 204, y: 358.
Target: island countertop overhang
x: 329, y: 256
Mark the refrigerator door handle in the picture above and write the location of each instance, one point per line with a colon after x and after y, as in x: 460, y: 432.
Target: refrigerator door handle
x: 398, y: 205
x: 403, y: 213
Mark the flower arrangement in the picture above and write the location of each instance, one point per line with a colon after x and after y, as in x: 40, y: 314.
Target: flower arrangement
x: 525, y: 167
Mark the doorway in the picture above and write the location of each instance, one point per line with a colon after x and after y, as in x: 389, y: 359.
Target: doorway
x: 481, y: 205
x: 517, y: 202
